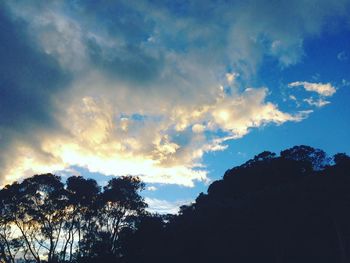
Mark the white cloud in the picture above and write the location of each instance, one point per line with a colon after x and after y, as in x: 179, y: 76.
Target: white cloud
x: 164, y: 206
x: 151, y: 188
x: 231, y: 77
x: 322, y: 89
x: 318, y: 103
x: 292, y: 97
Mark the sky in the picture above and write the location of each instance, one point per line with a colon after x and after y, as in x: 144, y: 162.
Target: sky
x: 175, y: 92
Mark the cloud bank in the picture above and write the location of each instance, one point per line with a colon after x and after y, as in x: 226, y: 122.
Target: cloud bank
x: 142, y: 87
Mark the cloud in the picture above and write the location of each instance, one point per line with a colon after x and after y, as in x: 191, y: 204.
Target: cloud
x: 345, y: 83
x: 151, y: 188
x: 318, y: 103
x: 164, y: 207
x: 325, y: 90
x: 142, y: 88
x: 29, y: 81
x: 342, y: 56
x: 164, y: 148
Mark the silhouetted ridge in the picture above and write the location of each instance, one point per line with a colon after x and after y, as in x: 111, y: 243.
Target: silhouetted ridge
x: 289, y: 208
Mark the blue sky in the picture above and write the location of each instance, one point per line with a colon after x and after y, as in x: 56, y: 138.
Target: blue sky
x: 175, y: 92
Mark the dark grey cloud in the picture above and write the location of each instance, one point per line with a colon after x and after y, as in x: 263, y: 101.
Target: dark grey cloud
x: 117, y: 18
x: 29, y: 79
x: 118, y: 64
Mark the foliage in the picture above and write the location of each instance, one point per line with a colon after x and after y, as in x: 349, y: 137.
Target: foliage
x: 45, y: 220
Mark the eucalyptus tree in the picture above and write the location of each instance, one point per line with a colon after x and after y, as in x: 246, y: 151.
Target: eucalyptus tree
x: 45, y: 200
x: 121, y: 203
x: 9, y: 243
x: 315, y: 157
x: 32, y: 217
x: 82, y: 214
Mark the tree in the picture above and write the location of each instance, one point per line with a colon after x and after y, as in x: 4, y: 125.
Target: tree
x: 82, y: 215
x: 341, y: 159
x: 9, y: 244
x: 121, y: 204
x: 34, y: 211
x: 43, y: 202
x: 315, y: 157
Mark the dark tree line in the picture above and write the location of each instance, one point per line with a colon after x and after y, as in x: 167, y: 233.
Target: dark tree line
x: 43, y: 219
x: 287, y: 208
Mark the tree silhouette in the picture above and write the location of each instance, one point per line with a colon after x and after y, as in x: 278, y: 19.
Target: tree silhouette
x: 121, y: 203
x: 316, y: 157
x: 44, y: 220
x: 82, y: 214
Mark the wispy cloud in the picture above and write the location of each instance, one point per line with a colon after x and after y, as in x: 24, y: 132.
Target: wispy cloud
x: 323, y: 89
x: 342, y: 56
x: 318, y: 103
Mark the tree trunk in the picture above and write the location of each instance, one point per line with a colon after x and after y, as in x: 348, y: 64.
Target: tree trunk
x: 36, y: 257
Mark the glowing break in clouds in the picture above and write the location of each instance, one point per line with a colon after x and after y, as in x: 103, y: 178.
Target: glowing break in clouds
x: 141, y: 87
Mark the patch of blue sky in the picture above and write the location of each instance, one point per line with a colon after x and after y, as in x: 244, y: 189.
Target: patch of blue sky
x: 100, y: 178
x: 325, y: 128
x: 159, y: 191
x: 137, y: 117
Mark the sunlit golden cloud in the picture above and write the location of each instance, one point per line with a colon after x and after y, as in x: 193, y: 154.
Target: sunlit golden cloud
x: 102, y: 139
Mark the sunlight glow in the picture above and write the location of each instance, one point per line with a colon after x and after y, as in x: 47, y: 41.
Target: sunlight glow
x: 224, y: 115
x: 159, y: 150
